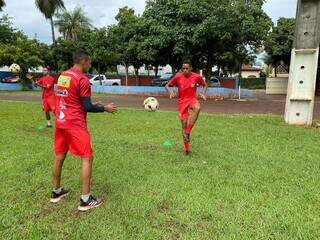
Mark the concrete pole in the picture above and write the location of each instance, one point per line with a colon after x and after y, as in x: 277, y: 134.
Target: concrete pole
x: 304, y: 64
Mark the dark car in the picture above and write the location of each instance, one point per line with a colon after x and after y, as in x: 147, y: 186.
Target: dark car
x: 163, y: 80
x: 214, y: 82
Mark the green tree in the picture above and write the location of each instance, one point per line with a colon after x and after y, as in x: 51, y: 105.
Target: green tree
x: 70, y: 23
x: 2, y: 4
x: 7, y: 33
x: 279, y: 42
x: 125, y: 39
x: 206, y: 29
x: 48, y: 8
x: 62, y: 50
x: 25, y: 53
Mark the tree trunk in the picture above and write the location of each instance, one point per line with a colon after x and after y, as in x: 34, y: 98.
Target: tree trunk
x: 156, y: 70
x: 136, y: 70
x: 52, y: 30
x: 100, y: 82
x: 126, y: 70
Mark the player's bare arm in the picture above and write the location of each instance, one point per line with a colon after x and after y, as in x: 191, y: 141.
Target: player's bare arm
x: 170, y: 91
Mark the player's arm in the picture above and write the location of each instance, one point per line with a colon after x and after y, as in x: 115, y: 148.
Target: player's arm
x: 169, y: 87
x: 204, y: 85
x: 97, y: 107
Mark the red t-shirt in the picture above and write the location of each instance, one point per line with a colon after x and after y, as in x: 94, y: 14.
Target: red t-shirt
x: 187, y: 86
x: 71, y: 87
x: 47, y: 85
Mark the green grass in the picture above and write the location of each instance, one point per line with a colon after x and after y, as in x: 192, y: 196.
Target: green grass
x: 250, y: 177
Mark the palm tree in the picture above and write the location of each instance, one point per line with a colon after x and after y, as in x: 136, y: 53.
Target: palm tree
x: 48, y: 9
x: 2, y: 4
x: 69, y: 23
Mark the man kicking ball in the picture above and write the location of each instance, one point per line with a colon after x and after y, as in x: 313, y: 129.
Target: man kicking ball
x: 188, y: 104
x: 73, y: 101
x: 48, y: 99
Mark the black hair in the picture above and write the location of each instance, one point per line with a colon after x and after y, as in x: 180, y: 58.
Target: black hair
x: 186, y: 61
x: 79, y: 55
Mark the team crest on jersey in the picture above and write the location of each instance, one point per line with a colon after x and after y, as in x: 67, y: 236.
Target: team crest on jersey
x: 64, y: 81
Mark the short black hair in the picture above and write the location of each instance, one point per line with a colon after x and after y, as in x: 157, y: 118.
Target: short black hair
x: 79, y: 55
x: 186, y: 61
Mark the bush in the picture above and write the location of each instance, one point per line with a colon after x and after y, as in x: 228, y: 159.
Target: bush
x: 253, y: 83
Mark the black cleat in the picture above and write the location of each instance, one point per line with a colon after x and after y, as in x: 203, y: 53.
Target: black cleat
x: 186, y: 153
x: 91, y: 203
x: 56, y: 197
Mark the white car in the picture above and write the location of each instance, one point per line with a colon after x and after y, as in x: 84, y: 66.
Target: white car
x: 102, y: 79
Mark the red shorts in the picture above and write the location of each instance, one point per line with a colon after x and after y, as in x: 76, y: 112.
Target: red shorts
x: 75, y: 141
x: 184, y: 107
x: 48, y: 104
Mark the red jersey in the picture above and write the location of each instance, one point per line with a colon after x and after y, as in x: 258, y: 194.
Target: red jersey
x: 187, y: 86
x: 71, y: 87
x: 47, y: 85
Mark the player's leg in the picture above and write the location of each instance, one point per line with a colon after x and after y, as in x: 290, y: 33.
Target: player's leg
x: 194, y: 112
x: 87, y: 201
x: 61, y: 149
x: 80, y: 145
x: 58, y: 192
x: 184, y: 114
x: 48, y: 119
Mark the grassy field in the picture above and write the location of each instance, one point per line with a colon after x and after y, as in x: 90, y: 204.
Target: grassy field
x: 250, y: 177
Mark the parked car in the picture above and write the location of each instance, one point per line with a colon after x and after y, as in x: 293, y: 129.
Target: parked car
x: 214, y: 82
x: 11, y: 79
x: 97, y: 79
x: 163, y: 80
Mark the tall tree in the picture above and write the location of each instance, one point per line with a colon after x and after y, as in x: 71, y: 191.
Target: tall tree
x: 48, y: 8
x: 70, y: 23
x: 24, y: 52
x: 125, y: 38
x: 279, y: 42
x: 2, y: 4
x: 204, y: 30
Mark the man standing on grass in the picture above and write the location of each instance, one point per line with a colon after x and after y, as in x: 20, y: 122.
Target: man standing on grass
x: 188, y: 104
x: 73, y: 101
x: 48, y: 99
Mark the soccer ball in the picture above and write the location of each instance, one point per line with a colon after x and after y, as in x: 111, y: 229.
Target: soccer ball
x: 151, y: 104
x: 15, y: 68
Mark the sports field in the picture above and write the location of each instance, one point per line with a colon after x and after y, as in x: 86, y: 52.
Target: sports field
x: 250, y: 177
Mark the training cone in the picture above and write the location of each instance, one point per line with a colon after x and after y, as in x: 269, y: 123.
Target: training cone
x: 167, y: 143
x: 41, y: 127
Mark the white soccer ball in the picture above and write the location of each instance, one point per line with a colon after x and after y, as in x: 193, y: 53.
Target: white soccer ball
x: 151, y: 104
x: 15, y: 68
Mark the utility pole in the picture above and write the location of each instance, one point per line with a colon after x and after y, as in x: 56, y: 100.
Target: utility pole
x: 304, y: 64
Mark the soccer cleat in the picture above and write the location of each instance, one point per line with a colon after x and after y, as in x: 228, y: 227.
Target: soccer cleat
x: 56, y: 197
x: 91, y: 203
x: 186, y: 153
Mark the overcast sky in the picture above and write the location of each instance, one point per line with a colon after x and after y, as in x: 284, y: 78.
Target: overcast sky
x: 26, y: 17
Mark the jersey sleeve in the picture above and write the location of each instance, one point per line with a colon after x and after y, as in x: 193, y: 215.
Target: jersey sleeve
x: 85, y: 87
x: 40, y: 82
x: 174, y: 81
x: 201, y: 81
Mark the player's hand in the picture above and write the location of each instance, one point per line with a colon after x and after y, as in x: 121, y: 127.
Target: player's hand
x: 172, y: 95
x: 204, y: 97
x: 110, y: 108
x: 98, y: 104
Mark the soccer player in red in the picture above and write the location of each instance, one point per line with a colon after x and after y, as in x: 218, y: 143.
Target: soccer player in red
x: 73, y: 101
x: 48, y: 99
x: 188, y: 104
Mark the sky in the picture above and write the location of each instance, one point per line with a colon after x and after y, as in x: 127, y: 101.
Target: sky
x: 27, y: 18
